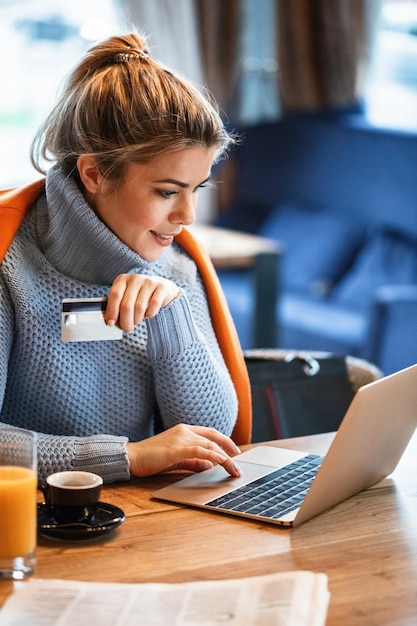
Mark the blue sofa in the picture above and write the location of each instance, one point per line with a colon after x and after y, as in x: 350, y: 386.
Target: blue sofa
x: 341, y: 198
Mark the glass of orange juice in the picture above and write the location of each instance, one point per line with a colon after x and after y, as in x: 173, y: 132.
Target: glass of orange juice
x: 18, y: 485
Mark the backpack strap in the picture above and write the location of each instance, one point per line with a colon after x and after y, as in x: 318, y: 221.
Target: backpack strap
x: 14, y: 204
x: 226, y: 334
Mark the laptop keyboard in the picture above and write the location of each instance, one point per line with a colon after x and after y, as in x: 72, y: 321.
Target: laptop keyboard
x: 275, y: 494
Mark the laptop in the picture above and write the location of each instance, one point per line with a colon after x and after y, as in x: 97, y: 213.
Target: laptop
x: 288, y: 487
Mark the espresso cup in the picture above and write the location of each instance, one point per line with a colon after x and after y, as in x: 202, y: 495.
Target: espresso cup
x: 72, y: 496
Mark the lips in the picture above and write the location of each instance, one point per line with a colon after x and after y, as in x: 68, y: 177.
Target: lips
x: 163, y: 240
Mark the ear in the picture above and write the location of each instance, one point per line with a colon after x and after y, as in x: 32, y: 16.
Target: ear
x: 89, y: 172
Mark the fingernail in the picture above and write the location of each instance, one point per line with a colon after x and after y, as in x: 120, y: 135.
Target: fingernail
x: 111, y: 322
x: 237, y: 469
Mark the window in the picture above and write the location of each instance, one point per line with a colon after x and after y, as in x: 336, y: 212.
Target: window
x: 391, y: 98
x: 40, y: 42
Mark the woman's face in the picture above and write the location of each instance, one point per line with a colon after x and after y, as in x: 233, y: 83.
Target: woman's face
x: 153, y: 201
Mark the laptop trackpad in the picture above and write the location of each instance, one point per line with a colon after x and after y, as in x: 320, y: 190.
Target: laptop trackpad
x: 205, y: 486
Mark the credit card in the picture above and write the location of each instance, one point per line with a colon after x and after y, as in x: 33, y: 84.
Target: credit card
x: 82, y: 319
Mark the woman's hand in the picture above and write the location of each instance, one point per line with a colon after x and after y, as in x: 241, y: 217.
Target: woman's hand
x: 133, y: 297
x: 193, y: 448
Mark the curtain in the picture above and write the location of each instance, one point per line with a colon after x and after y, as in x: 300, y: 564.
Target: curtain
x: 261, y: 55
x: 172, y: 31
x: 258, y: 55
x: 220, y: 31
x: 324, y: 50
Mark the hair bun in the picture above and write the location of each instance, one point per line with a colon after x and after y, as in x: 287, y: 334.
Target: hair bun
x: 131, y: 55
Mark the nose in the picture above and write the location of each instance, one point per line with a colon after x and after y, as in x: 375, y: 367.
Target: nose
x: 184, y: 212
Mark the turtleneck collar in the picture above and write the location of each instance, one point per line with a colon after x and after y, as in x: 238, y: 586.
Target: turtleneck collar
x: 74, y: 239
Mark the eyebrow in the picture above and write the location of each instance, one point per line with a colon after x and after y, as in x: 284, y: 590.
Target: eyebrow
x: 179, y: 183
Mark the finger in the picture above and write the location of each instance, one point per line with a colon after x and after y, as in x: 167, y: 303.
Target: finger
x: 135, y: 301
x: 222, y: 457
x: 164, y: 293
x: 150, y: 299
x: 114, y: 299
x: 232, y: 468
x: 223, y: 441
x: 199, y: 465
x: 209, y: 452
x: 193, y: 465
x: 205, y: 451
x: 155, y: 301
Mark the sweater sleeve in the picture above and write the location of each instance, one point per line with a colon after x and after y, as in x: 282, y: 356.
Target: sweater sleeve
x: 192, y: 382
x: 105, y: 455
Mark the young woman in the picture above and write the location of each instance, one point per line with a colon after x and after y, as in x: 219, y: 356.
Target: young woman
x: 131, y: 144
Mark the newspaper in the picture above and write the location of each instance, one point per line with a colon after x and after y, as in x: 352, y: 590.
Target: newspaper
x: 285, y: 599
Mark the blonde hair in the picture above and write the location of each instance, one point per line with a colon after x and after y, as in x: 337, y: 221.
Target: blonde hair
x: 121, y: 106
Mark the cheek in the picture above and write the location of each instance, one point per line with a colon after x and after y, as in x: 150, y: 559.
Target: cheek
x: 141, y: 211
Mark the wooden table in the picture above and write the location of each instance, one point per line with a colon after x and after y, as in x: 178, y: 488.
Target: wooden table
x: 367, y: 545
x: 235, y: 250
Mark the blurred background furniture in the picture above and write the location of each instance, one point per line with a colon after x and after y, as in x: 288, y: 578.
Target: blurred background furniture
x: 341, y: 199
x: 256, y: 260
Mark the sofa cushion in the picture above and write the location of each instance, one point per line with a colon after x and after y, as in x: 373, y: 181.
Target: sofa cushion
x: 388, y: 258
x: 318, y: 246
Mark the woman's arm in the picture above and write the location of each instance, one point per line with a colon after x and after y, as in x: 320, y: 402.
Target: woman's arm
x: 192, y: 383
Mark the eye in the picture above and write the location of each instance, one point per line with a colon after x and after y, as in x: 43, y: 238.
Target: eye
x: 166, y: 194
x: 202, y: 186
x: 207, y: 184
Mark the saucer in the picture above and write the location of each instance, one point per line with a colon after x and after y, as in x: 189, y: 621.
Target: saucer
x: 106, y: 518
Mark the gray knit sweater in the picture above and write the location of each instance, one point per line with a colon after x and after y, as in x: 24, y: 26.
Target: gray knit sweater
x: 87, y: 399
